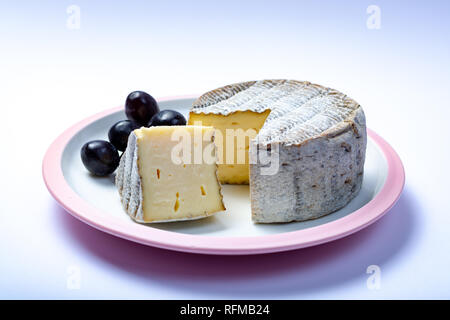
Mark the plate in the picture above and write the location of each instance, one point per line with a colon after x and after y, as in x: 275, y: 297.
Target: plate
x: 96, y: 202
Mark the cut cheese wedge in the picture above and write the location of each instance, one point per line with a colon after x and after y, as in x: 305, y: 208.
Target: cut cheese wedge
x: 160, y: 179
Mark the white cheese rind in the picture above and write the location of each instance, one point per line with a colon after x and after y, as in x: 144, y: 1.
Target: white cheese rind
x: 128, y: 181
x: 320, y: 135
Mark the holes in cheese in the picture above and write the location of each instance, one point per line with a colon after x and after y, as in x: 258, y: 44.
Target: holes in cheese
x: 177, y: 203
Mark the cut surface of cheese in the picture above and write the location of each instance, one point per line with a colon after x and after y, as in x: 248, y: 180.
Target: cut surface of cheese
x: 232, y: 169
x: 159, y: 184
x: 315, y: 137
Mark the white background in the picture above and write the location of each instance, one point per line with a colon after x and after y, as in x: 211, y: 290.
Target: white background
x: 52, y: 76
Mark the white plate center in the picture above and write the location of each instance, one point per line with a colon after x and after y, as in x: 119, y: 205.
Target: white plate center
x: 235, y: 221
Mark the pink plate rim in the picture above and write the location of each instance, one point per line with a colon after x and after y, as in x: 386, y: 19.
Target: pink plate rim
x: 359, y: 219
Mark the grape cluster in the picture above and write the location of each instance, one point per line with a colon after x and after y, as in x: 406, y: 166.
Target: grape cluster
x: 101, y: 157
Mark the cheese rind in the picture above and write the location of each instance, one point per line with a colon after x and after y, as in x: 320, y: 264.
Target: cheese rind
x: 318, y: 135
x: 315, y: 178
x: 155, y: 188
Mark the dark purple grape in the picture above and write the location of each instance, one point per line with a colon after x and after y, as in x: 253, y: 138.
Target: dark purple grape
x: 119, y: 133
x: 140, y: 107
x: 100, y: 157
x: 168, y: 118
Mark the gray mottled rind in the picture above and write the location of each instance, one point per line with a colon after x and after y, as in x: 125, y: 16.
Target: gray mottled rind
x: 320, y: 135
x: 128, y: 181
x: 315, y: 178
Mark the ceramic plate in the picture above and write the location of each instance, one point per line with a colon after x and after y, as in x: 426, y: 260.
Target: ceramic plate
x: 95, y: 201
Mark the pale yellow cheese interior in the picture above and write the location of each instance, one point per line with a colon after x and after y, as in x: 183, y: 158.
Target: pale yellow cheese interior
x: 232, y: 169
x: 174, y: 191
